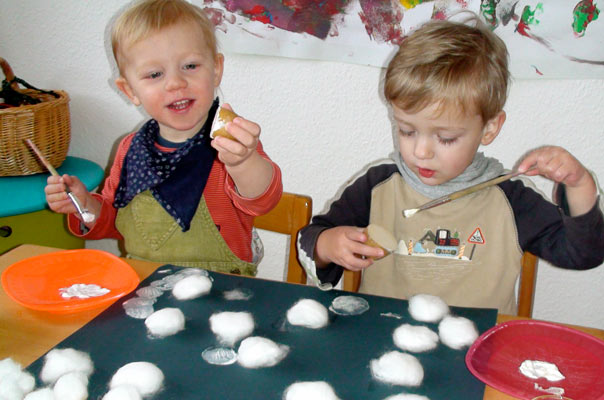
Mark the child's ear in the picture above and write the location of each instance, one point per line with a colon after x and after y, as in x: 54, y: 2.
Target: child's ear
x: 218, y: 68
x: 492, y: 128
x: 124, y: 87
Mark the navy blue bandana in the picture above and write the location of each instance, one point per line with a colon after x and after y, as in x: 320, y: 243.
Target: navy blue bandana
x: 176, y: 179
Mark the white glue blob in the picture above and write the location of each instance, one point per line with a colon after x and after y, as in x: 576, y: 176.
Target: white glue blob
x: 310, y: 390
x: 41, y: 394
x: 71, y: 386
x: 191, y: 287
x: 230, y: 327
x: 124, y: 392
x: 415, y: 338
x: 457, y: 332
x: 398, y: 369
x: 406, y: 396
x: 59, y: 362
x: 83, y: 291
x: 308, y: 313
x: 258, y: 352
x: 427, y: 308
x: 165, y: 322
x: 541, y: 369
x: 146, y: 377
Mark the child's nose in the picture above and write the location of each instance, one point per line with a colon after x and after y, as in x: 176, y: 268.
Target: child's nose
x: 175, y: 81
x: 423, y: 148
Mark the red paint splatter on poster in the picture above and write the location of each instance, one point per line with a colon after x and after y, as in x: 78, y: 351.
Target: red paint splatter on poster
x: 382, y: 20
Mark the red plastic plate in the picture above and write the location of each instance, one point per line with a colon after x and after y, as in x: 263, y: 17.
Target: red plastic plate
x: 497, y: 354
x: 35, y: 282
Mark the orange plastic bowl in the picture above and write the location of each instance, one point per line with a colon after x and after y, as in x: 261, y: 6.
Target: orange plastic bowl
x: 35, y: 282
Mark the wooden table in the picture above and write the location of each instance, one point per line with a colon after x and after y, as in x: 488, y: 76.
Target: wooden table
x: 26, y: 334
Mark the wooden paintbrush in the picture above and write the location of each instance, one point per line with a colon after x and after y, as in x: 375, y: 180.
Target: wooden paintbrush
x: 460, y: 193
x: 84, y: 213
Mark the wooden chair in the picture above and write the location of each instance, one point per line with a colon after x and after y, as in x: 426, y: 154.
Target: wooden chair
x: 291, y: 214
x: 526, y: 291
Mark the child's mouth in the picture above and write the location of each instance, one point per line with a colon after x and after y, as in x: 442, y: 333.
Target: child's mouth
x: 180, y: 105
x: 426, y: 173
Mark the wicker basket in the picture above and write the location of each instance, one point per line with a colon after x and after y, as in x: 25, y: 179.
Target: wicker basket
x: 47, y: 124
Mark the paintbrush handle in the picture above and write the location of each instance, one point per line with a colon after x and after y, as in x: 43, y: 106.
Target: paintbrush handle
x: 41, y: 157
x: 480, y: 186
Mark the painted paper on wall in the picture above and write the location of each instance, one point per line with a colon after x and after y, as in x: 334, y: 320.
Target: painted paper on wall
x: 546, y: 39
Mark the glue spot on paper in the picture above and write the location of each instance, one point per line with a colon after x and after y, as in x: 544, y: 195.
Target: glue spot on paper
x: 238, y: 294
x: 219, y: 355
x: 139, y: 307
x: 349, y: 305
x: 149, y: 292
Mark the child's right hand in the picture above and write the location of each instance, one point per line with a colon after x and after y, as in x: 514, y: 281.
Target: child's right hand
x: 345, y: 246
x: 57, y: 198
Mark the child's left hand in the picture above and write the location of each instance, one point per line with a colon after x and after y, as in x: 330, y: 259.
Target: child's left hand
x: 558, y: 165
x: 247, y: 133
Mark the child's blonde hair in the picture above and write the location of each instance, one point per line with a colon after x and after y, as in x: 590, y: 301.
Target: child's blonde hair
x: 451, y: 64
x: 150, y: 16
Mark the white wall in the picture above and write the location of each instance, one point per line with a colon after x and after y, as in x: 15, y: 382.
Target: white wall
x: 321, y: 121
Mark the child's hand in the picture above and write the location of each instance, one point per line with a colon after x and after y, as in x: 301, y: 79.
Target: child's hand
x: 344, y: 245
x: 57, y: 198
x: 231, y: 152
x: 558, y: 165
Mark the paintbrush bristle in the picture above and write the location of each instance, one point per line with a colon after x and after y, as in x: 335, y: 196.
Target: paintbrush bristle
x: 410, y: 212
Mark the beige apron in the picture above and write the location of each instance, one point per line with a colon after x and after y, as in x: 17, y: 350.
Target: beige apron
x: 465, y: 252
x: 153, y: 235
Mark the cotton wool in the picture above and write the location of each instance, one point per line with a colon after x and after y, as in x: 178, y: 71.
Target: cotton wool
x: 11, y: 370
x: 415, y: 338
x: 259, y: 352
x: 398, y: 368
x: 41, y: 394
x: 58, y: 362
x: 427, y: 308
x: 231, y: 327
x: 317, y: 390
x: 457, y: 332
x: 146, y: 377
x: 10, y: 390
x: 71, y: 386
x: 192, y: 287
x: 124, y: 392
x: 308, y: 313
x: 165, y: 322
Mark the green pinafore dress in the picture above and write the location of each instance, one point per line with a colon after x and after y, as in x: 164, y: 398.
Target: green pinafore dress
x: 151, y: 234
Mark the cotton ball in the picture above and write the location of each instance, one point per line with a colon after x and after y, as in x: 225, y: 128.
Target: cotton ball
x: 124, y: 392
x: 144, y: 376
x: 230, y: 327
x: 457, y: 332
x: 192, y: 287
x: 10, y: 390
x: 257, y: 352
x: 427, y: 308
x: 406, y: 396
x: 398, y: 369
x: 165, y: 322
x: 41, y: 394
x: 308, y: 313
x: 11, y: 370
x: 62, y: 361
x: 310, y: 390
x: 72, y: 386
x: 415, y: 338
